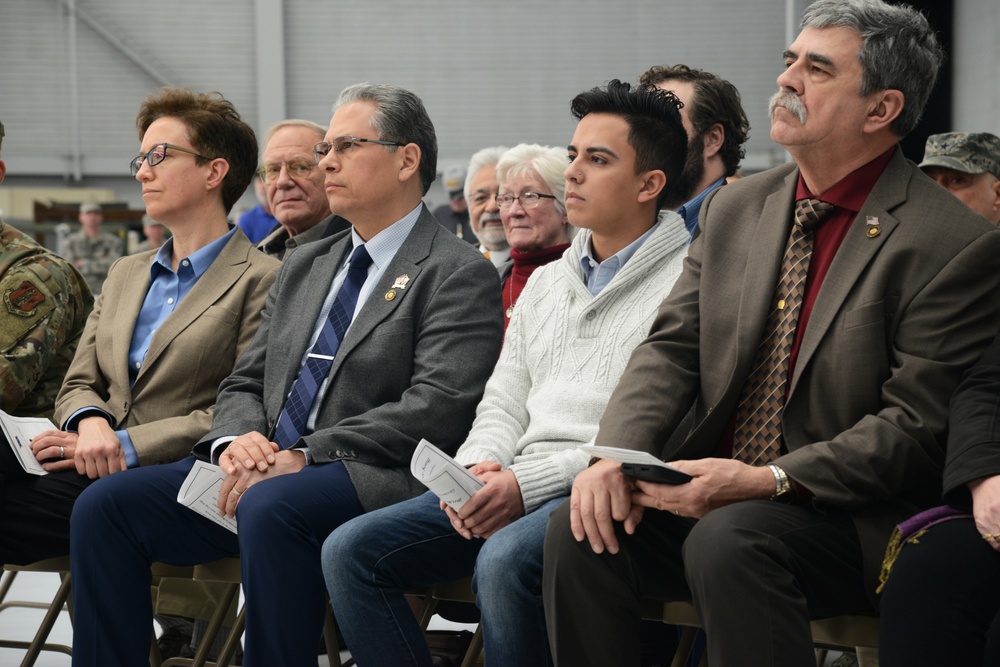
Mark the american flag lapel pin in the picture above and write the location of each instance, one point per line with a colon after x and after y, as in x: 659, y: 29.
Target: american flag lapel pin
x: 399, y: 283
x: 874, y: 228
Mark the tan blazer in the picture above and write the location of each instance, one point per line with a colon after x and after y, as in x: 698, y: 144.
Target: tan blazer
x: 898, y: 318
x: 170, y: 406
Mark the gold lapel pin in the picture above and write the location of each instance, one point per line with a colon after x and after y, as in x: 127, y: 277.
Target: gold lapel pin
x: 874, y: 228
x: 401, y: 282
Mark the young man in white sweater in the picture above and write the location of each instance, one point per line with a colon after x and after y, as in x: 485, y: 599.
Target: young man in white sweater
x: 570, y: 336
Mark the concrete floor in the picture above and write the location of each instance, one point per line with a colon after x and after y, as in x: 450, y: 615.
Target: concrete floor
x: 17, y: 623
x: 21, y: 624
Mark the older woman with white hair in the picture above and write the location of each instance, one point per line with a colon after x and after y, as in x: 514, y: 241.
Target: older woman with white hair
x: 532, y: 211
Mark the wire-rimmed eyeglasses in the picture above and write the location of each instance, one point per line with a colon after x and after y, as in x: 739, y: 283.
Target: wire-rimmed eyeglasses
x: 296, y: 169
x: 344, y: 145
x: 526, y: 199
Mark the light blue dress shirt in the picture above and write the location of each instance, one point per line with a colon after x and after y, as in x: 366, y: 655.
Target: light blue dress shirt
x: 597, y: 275
x: 166, y: 289
x: 690, y: 210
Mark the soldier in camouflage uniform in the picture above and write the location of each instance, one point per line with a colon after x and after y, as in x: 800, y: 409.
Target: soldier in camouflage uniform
x: 155, y: 234
x: 967, y: 164
x: 45, y: 305
x: 91, y: 250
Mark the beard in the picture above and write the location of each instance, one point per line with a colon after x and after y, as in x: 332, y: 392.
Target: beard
x: 491, y: 236
x: 694, y: 171
x: 790, y: 102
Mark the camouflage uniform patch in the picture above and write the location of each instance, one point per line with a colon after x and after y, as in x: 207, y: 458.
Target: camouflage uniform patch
x: 24, y: 299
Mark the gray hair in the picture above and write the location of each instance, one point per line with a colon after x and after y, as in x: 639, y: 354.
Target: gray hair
x: 399, y: 116
x: 487, y: 157
x: 898, y: 51
x: 291, y: 122
x: 546, y: 161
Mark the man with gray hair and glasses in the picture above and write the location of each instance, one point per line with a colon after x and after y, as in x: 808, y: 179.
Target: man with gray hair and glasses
x: 293, y: 184
x: 818, y: 329
x: 371, y: 340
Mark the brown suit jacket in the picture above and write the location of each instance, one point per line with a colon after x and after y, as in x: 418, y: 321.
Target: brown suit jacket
x: 170, y: 406
x: 897, y: 320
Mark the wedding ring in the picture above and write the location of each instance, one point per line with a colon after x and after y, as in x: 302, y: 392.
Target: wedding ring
x: 991, y: 537
x: 62, y: 453
x: 236, y: 491
x: 677, y: 512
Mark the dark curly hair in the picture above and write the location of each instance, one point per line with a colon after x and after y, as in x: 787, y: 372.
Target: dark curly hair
x: 715, y: 101
x: 655, y: 128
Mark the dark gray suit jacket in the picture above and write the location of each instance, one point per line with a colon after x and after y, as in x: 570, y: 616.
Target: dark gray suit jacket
x: 411, y: 367
x: 897, y: 320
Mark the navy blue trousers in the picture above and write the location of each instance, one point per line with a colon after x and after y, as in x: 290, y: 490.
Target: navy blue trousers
x: 123, y: 523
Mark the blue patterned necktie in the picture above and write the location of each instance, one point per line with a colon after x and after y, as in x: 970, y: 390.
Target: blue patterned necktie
x: 295, y: 414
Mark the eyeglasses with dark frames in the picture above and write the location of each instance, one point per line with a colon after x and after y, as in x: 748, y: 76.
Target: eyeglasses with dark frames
x: 296, y: 169
x: 157, y: 154
x: 526, y: 199
x: 346, y: 145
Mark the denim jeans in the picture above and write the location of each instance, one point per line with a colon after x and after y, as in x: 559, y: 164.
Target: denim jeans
x: 373, y: 560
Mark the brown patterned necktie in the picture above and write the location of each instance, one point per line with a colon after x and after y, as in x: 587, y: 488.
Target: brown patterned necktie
x: 757, y: 439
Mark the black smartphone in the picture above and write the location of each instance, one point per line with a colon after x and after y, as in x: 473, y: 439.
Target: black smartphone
x: 649, y: 473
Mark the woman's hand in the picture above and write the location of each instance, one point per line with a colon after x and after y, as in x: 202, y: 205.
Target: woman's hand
x: 55, y: 450
x: 98, y: 452
x: 986, y: 508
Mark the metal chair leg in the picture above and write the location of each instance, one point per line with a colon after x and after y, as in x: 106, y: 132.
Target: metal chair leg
x: 38, y: 643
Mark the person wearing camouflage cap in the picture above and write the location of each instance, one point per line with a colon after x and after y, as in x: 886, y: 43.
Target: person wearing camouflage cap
x: 454, y: 216
x: 45, y: 306
x: 967, y: 164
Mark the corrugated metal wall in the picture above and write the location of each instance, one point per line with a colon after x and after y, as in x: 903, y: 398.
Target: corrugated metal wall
x: 489, y: 72
x: 504, y: 72
x: 204, y: 45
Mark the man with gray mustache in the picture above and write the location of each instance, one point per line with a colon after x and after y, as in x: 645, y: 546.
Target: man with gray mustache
x: 789, y: 102
x: 818, y: 329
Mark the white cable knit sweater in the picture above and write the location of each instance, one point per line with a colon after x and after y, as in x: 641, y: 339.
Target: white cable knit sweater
x: 562, y: 356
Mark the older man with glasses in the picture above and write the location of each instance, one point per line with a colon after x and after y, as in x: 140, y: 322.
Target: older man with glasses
x: 294, y: 188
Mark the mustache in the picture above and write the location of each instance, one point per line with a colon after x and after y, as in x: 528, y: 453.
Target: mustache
x: 789, y: 101
x: 489, y: 217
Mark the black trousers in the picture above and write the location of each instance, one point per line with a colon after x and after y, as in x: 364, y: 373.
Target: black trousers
x: 756, y: 571
x: 34, y: 510
x: 941, y: 605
